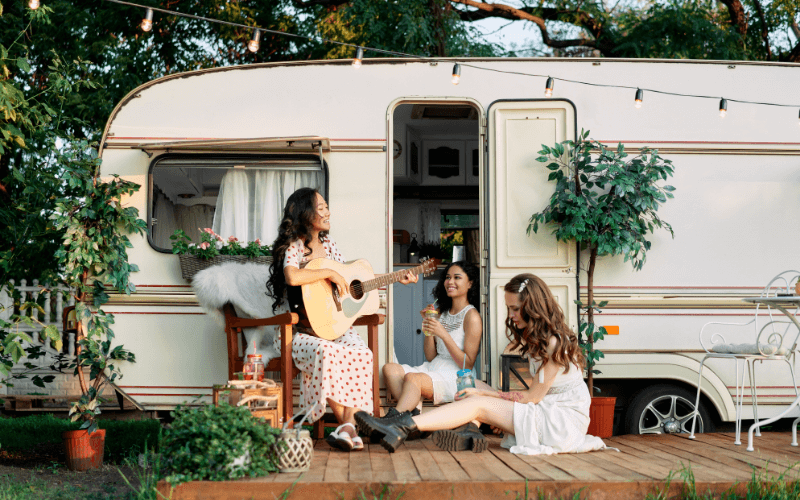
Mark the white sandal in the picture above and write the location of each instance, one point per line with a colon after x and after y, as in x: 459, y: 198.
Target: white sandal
x: 343, y: 441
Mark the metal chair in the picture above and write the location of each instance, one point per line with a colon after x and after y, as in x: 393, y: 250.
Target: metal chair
x: 771, y: 343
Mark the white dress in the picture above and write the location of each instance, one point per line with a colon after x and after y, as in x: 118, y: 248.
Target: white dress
x: 443, y: 370
x: 556, y: 424
x: 340, y: 369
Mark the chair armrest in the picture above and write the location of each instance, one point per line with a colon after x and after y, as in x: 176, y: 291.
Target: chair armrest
x: 234, y: 321
x: 372, y: 319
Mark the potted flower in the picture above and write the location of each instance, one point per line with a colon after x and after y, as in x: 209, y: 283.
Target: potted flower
x: 607, y: 202
x: 93, y: 256
x: 214, y: 249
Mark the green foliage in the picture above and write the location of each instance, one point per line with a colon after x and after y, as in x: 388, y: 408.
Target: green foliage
x: 204, y: 443
x: 123, y: 437
x: 211, y: 244
x: 608, y: 202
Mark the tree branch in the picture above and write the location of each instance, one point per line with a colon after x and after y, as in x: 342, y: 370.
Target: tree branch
x: 764, y: 31
x: 508, y: 12
x: 738, y: 15
x: 325, y: 3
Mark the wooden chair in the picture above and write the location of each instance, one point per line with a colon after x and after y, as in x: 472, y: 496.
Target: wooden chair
x: 285, y: 364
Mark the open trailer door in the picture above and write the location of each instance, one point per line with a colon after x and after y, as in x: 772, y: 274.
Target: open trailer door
x: 518, y: 188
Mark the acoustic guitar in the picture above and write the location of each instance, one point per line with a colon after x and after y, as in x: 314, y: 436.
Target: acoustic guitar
x: 331, y: 315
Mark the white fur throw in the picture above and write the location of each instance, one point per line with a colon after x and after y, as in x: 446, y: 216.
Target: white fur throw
x: 244, y: 286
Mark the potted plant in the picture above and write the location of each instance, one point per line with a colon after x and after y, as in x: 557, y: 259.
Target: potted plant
x: 214, y: 249
x: 93, y: 256
x: 607, y: 202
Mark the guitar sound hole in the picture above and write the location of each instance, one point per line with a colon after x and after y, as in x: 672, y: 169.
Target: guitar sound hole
x: 356, y: 289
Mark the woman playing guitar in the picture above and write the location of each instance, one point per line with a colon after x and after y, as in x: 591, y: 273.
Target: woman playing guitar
x: 334, y: 372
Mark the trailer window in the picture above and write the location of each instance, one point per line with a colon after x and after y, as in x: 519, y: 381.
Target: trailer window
x: 235, y: 196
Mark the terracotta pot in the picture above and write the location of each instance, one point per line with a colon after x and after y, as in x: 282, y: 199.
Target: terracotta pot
x: 601, y: 413
x: 84, y: 451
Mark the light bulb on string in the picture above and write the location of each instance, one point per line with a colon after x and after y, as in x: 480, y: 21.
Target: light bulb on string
x: 548, y: 87
x: 33, y: 4
x: 147, y: 22
x: 358, y: 58
x: 639, y: 96
x: 798, y: 117
x: 723, y: 108
x: 255, y: 42
x: 456, y: 74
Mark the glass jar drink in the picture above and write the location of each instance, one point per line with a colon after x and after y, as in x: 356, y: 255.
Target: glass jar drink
x: 254, y: 368
x: 430, y: 314
x: 465, y: 380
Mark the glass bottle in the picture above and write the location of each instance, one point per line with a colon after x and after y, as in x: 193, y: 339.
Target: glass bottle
x: 465, y: 380
x: 254, y: 368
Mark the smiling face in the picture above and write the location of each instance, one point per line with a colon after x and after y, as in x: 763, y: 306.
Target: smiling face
x: 322, y: 219
x: 514, y: 310
x: 456, y: 282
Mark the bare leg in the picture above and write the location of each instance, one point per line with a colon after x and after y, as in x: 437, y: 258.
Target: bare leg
x: 415, y: 387
x: 393, y: 376
x: 485, y: 409
x: 344, y: 415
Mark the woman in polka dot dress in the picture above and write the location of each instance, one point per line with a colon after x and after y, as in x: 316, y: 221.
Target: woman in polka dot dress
x: 338, y: 372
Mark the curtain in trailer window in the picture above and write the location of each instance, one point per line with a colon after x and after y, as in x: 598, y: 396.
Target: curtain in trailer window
x: 250, y: 202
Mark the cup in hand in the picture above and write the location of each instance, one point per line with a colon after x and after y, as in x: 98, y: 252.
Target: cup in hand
x: 430, y: 314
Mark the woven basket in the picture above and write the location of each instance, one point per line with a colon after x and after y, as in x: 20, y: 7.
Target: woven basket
x: 191, y: 265
x: 298, y: 451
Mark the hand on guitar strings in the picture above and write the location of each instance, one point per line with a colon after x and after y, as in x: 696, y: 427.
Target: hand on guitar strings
x: 409, y: 278
x: 342, y: 287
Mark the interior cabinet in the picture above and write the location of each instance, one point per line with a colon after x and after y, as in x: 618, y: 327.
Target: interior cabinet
x: 408, y: 301
x: 443, y: 163
x: 473, y: 151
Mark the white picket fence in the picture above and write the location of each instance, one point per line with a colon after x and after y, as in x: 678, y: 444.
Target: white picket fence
x: 52, y: 300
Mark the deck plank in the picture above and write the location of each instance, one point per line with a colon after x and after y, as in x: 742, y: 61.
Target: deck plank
x: 382, y: 467
x: 715, y: 465
x: 499, y: 468
x: 726, y: 463
x: 338, y: 467
x: 518, y: 465
x: 571, y: 466
x: 473, y: 466
x: 449, y: 466
x: 427, y: 467
x: 403, y: 465
x: 360, y: 466
x: 553, y: 473
x: 656, y: 462
x: 761, y: 457
x: 319, y: 462
x: 610, y: 469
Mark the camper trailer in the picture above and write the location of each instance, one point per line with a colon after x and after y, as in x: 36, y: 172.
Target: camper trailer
x: 405, y: 156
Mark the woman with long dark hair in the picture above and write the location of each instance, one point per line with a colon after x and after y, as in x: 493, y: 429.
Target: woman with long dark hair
x: 552, y: 416
x: 338, y: 372
x: 451, y: 342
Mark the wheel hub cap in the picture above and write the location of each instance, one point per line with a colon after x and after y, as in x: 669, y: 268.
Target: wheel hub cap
x: 672, y: 426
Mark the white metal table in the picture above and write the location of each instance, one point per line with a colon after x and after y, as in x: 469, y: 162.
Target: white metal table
x: 781, y: 303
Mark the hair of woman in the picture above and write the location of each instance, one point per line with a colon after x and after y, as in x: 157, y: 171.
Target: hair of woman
x: 298, y: 218
x: 544, y: 319
x: 473, y: 294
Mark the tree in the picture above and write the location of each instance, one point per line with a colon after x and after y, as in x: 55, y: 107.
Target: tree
x: 607, y: 203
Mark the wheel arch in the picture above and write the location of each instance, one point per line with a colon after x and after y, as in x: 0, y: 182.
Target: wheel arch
x: 651, y: 369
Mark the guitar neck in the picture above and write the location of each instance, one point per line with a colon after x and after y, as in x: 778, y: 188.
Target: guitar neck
x: 388, y: 279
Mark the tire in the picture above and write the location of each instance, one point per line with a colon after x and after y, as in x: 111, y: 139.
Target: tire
x: 665, y: 409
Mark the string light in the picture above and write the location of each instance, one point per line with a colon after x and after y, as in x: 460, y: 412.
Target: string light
x: 358, y: 58
x: 147, y: 22
x: 33, y: 4
x: 723, y: 108
x: 798, y: 118
x: 639, y: 96
x: 255, y: 42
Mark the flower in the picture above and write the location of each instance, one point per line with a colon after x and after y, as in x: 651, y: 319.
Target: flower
x: 204, y: 245
x: 258, y: 242
x: 231, y: 239
x: 220, y: 244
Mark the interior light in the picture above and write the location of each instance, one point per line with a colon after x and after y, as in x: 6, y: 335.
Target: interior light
x: 639, y: 95
x: 147, y: 22
x: 456, y: 74
x: 255, y: 42
x: 723, y: 108
x: 358, y: 58
x: 548, y: 87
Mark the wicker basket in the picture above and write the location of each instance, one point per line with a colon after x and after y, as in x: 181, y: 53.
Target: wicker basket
x: 298, y: 451
x: 191, y: 265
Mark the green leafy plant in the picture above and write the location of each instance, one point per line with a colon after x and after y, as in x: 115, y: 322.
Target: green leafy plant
x: 93, y: 256
x: 607, y: 201
x: 211, y: 244
x: 217, y: 443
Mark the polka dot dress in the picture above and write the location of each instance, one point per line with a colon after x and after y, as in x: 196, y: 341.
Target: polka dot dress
x: 341, y: 369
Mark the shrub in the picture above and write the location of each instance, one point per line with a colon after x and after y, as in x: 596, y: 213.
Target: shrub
x: 217, y: 443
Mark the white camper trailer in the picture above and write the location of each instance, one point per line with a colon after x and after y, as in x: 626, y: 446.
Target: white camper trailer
x: 398, y: 149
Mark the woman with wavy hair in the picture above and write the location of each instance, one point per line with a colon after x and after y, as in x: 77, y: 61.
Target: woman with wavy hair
x: 338, y: 372
x: 552, y: 416
x: 451, y: 342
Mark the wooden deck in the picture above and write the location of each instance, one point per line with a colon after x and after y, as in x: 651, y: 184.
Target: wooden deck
x: 421, y: 470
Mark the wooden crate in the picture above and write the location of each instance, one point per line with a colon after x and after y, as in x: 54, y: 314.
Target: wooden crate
x: 232, y: 395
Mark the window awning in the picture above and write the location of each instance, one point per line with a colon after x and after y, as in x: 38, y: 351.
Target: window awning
x: 303, y: 144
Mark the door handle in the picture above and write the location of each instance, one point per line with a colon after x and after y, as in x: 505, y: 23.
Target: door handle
x: 419, y: 331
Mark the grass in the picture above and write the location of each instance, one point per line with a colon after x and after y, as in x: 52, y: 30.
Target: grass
x: 38, y: 489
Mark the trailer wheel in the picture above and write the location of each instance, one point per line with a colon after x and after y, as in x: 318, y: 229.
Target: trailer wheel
x: 666, y: 409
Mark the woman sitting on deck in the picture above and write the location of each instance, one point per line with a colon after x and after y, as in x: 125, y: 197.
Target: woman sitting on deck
x: 550, y: 417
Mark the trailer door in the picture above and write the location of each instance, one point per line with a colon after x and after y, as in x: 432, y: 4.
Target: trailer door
x: 518, y: 188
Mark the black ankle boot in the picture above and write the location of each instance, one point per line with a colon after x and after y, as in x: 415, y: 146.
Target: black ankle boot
x: 392, y: 433
x: 392, y: 413
x: 466, y: 437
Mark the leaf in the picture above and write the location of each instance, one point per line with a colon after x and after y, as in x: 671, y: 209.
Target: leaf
x: 22, y: 64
